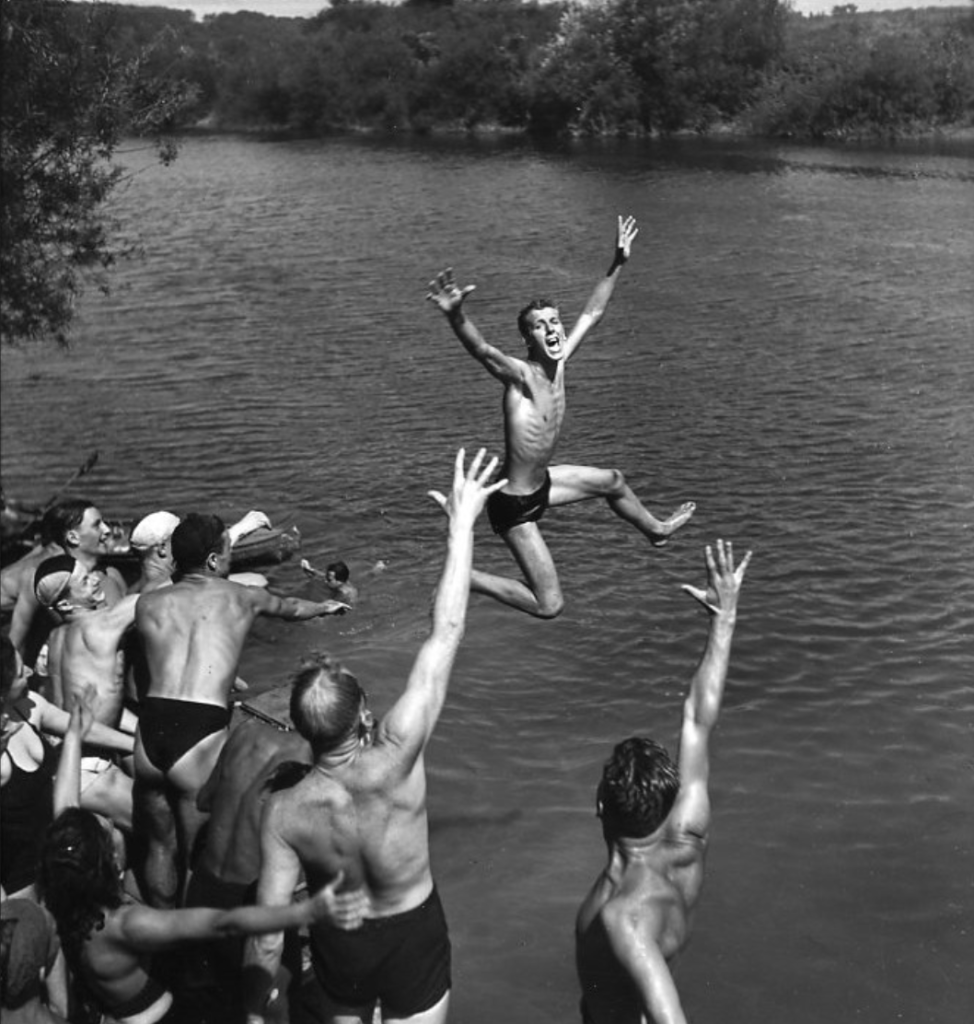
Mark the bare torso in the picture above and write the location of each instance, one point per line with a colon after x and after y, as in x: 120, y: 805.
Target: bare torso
x: 21, y: 574
x: 366, y: 819
x: 194, y: 632
x: 235, y: 797
x: 85, y: 656
x: 534, y: 409
x: 647, y: 898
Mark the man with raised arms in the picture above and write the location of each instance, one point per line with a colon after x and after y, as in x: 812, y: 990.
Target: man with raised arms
x: 656, y: 823
x: 194, y: 632
x: 534, y: 408
x: 362, y: 810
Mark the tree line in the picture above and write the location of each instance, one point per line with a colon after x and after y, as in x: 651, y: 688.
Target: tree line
x: 78, y: 77
x: 628, y: 67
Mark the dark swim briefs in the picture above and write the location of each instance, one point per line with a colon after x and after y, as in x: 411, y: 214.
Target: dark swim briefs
x: 402, y: 960
x: 169, y: 728
x: 507, y: 510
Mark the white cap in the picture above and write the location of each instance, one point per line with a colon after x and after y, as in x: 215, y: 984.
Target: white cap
x: 154, y: 529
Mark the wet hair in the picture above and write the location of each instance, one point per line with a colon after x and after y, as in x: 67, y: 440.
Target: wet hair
x: 532, y: 307
x: 325, y: 702
x: 340, y: 569
x: 639, y: 785
x: 196, y: 538
x: 65, y: 516
x: 78, y: 877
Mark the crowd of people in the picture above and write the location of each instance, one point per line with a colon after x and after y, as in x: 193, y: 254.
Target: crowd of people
x: 161, y: 866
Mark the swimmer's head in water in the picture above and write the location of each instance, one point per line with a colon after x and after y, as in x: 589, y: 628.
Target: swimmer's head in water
x: 200, y: 542
x: 639, y: 785
x: 328, y: 705
x: 339, y: 570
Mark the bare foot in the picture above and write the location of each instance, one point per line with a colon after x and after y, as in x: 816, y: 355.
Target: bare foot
x: 671, y: 525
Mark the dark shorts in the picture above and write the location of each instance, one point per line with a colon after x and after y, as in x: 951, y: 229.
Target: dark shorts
x: 508, y: 510
x: 169, y: 728
x: 402, y: 960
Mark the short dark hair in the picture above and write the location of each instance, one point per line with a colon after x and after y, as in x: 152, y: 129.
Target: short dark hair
x: 340, y: 569
x: 532, y: 307
x: 196, y: 538
x: 639, y: 785
x: 65, y: 516
x: 325, y: 702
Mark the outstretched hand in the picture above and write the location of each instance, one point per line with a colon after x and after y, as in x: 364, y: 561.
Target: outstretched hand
x: 625, y: 236
x: 470, y: 489
x: 723, y: 580
x: 446, y: 294
x: 83, y: 712
x: 345, y: 910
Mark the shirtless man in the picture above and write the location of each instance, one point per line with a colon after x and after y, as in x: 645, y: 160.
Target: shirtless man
x: 85, y: 658
x: 150, y: 539
x: 194, y: 632
x: 336, y: 578
x: 362, y: 810
x: 74, y: 526
x: 226, y: 870
x: 534, y: 408
x: 656, y: 822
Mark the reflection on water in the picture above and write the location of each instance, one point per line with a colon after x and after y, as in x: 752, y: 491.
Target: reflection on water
x: 790, y: 347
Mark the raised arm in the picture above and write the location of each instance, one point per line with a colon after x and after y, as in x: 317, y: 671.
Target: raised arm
x: 691, y: 812
x: 448, y: 297
x: 409, y: 723
x: 25, y: 608
x: 594, y: 310
x: 67, y: 780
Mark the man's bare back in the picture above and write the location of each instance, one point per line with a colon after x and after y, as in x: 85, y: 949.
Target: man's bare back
x: 656, y: 823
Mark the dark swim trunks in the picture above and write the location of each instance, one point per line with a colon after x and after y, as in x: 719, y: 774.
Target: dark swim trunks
x: 507, y: 510
x: 171, y: 727
x: 402, y: 960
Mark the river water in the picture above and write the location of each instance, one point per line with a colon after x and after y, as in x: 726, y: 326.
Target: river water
x: 791, y: 346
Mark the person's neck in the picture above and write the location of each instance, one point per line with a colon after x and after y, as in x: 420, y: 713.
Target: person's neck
x: 153, y: 570
x: 340, y: 756
x: 85, y: 558
x: 626, y: 851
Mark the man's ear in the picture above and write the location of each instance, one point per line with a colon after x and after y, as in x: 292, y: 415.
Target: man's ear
x: 72, y: 538
x: 212, y: 560
x: 63, y: 606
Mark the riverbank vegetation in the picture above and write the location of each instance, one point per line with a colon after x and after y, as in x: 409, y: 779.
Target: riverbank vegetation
x: 77, y: 77
x: 631, y: 67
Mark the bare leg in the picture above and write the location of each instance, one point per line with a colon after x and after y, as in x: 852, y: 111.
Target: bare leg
x: 155, y: 825
x: 541, y: 594
x: 188, y: 775
x: 579, y: 483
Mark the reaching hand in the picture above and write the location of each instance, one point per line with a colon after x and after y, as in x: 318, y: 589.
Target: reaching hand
x: 625, y: 236
x: 723, y: 580
x: 446, y: 294
x: 345, y: 910
x: 335, y: 607
x: 470, y: 490
x: 83, y: 712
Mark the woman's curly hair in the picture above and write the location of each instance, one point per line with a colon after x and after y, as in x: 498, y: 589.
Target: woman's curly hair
x: 78, y: 877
